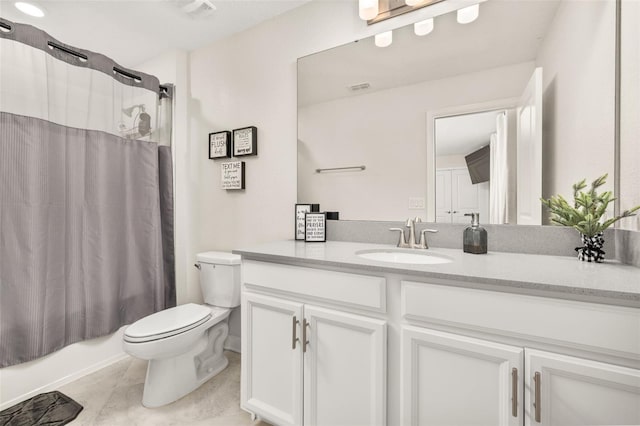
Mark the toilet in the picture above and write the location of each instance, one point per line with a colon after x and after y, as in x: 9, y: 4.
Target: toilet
x: 184, y: 345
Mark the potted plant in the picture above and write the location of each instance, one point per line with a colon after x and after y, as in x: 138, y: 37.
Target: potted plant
x: 586, y: 215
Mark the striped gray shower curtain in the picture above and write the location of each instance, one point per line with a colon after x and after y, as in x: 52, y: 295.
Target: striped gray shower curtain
x: 86, y: 195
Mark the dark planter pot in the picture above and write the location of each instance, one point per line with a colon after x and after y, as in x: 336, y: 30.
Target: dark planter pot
x: 591, y: 251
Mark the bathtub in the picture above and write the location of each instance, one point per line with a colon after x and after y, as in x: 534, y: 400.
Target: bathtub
x: 48, y: 373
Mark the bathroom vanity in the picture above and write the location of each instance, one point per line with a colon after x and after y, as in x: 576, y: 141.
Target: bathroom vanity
x: 330, y: 337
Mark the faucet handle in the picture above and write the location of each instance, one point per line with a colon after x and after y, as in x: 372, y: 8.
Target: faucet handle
x: 423, y: 237
x: 413, y: 221
x: 401, y: 239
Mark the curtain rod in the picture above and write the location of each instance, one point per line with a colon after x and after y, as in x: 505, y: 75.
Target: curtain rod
x: 36, y: 38
x: 164, y: 89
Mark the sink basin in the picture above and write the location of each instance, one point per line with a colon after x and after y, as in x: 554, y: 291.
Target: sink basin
x: 407, y: 256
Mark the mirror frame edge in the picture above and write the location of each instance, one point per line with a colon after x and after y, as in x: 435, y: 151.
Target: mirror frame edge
x: 617, y: 112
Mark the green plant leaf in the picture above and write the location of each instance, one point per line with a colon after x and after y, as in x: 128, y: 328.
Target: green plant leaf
x: 588, y: 209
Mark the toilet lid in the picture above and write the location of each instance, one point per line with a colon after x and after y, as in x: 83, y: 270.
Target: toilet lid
x: 168, y: 322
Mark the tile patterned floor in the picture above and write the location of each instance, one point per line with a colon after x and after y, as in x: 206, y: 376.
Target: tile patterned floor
x: 113, y: 397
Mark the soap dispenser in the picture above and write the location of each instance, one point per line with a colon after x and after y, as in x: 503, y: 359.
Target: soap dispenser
x: 475, y: 237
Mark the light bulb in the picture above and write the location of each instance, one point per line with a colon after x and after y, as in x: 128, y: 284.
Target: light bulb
x: 468, y: 14
x: 29, y: 9
x: 412, y: 2
x: 423, y: 27
x: 384, y: 39
x: 368, y: 9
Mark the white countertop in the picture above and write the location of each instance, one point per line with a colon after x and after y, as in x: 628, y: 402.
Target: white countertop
x: 554, y: 276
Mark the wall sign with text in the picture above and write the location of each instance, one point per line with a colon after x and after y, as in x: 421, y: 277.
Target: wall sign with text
x: 245, y: 141
x: 315, y: 227
x: 301, y: 210
x: 232, y: 175
x: 220, y: 145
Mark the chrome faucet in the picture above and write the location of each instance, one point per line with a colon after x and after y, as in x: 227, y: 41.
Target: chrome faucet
x: 423, y: 238
x: 411, y: 224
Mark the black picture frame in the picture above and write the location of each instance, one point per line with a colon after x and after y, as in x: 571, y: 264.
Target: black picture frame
x: 315, y: 227
x: 245, y: 141
x: 219, y: 145
x: 299, y: 218
x: 232, y: 175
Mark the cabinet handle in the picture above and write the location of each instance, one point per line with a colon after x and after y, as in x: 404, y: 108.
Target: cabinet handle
x: 536, y: 401
x: 514, y: 392
x: 448, y: 212
x: 294, y: 332
x: 305, y: 342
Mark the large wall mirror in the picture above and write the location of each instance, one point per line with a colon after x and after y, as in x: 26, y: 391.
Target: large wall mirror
x: 486, y: 116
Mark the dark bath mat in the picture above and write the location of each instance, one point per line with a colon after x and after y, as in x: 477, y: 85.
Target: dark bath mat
x: 50, y: 409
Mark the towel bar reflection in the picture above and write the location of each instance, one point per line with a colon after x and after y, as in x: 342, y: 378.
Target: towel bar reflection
x: 342, y: 169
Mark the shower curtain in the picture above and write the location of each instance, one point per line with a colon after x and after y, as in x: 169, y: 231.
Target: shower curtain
x: 499, y: 179
x: 86, y: 195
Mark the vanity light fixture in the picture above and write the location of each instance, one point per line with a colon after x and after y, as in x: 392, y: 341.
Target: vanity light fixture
x: 468, y: 14
x: 368, y: 9
x: 423, y: 27
x: 29, y: 9
x: 384, y: 39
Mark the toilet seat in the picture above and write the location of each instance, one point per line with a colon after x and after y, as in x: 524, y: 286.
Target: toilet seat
x: 171, y: 322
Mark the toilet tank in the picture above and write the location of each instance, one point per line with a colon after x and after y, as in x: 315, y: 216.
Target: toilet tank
x: 220, y: 278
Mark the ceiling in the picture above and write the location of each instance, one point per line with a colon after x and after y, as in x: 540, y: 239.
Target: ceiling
x: 134, y: 31
x: 463, y: 134
x: 506, y: 32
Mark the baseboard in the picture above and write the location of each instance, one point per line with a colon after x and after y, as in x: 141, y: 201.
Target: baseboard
x: 232, y: 344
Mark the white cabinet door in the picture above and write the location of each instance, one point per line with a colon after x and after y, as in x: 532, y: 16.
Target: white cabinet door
x: 344, y: 369
x: 464, y: 195
x: 456, y: 195
x: 443, y: 196
x: 573, y: 391
x: 272, y: 359
x: 455, y: 380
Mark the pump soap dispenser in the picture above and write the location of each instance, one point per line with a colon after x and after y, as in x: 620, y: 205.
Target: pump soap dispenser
x: 475, y: 237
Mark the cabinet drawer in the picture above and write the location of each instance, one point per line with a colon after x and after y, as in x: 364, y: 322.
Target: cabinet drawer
x: 609, y: 329
x: 361, y: 291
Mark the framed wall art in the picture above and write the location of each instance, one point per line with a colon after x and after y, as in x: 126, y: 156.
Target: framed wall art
x: 315, y: 227
x: 232, y: 177
x: 219, y: 145
x: 301, y: 210
x: 245, y: 141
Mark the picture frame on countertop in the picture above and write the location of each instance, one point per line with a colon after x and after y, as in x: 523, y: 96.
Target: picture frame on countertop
x: 315, y: 227
x: 245, y: 141
x: 219, y: 145
x: 299, y: 219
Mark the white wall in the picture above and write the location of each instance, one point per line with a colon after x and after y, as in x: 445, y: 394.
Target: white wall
x: 578, y: 60
x: 388, y: 136
x: 630, y: 111
x: 173, y: 67
x: 450, y: 161
x: 250, y: 79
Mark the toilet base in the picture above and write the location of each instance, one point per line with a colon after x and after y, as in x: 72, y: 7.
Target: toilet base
x: 169, y: 379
